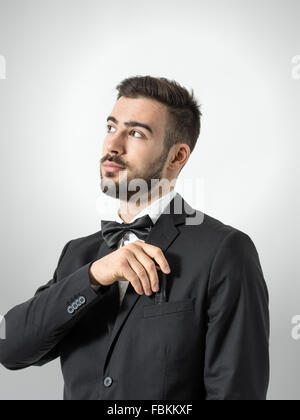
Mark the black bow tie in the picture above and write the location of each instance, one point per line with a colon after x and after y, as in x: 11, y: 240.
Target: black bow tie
x: 113, y: 231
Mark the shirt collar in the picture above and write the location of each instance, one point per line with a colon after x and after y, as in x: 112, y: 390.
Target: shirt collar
x: 154, y: 210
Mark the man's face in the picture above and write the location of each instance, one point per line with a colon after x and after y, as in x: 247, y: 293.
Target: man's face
x: 135, y: 140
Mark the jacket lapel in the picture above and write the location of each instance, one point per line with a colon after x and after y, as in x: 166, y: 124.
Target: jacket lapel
x: 163, y: 233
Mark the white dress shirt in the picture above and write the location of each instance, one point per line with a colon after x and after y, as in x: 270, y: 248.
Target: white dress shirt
x: 154, y: 210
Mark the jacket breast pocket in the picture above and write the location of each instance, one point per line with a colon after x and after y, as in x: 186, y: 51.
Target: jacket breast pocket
x: 168, y: 308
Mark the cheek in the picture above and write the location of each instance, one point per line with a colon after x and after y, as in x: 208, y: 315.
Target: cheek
x: 139, y: 152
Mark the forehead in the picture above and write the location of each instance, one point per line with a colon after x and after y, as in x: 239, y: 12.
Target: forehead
x: 143, y: 110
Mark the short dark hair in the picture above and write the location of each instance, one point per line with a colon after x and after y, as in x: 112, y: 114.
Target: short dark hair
x: 184, y: 112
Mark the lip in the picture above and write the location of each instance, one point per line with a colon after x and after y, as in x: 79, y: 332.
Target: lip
x: 113, y: 167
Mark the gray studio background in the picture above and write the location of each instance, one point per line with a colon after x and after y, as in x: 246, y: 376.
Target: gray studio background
x: 63, y: 60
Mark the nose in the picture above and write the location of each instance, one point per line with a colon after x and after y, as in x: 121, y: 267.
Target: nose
x: 115, y: 144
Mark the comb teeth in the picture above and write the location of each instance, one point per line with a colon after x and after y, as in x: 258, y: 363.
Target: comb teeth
x: 160, y: 296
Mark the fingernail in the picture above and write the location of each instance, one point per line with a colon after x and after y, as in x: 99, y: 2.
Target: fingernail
x: 168, y: 269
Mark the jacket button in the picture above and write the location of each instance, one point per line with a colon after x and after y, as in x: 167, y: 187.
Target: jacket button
x: 70, y: 310
x: 108, y: 381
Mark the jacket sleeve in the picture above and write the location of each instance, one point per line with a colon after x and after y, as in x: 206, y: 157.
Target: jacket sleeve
x: 35, y: 327
x: 237, y: 340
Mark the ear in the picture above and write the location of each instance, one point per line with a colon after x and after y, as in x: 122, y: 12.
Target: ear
x: 179, y: 156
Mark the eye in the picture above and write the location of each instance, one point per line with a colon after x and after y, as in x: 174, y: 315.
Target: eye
x: 108, y: 128
x: 134, y: 131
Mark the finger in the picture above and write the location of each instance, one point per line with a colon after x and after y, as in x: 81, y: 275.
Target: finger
x: 141, y: 272
x: 149, y: 266
x: 133, y: 278
x: 156, y: 253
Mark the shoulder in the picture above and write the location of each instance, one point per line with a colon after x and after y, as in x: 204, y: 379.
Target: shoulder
x: 235, y: 263
x: 213, y: 234
x: 87, y: 240
x: 84, y: 246
x: 226, y: 235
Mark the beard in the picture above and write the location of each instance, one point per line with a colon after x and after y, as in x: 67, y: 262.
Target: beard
x: 148, y: 181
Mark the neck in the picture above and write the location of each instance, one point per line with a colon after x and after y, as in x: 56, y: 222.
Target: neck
x: 128, y: 210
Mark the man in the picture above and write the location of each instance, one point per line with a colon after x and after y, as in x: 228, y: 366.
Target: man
x: 164, y: 302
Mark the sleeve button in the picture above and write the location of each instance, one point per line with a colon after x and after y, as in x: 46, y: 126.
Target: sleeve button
x: 108, y: 381
x: 74, y: 306
x: 82, y: 300
x: 70, y: 310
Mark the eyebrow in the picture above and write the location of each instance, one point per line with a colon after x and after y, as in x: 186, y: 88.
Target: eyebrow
x: 131, y: 123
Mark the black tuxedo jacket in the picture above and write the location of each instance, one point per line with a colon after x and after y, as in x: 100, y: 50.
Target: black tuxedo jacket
x: 203, y: 336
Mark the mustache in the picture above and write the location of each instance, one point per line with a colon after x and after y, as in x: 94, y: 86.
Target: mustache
x: 114, y: 159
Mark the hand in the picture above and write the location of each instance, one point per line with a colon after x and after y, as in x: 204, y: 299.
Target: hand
x: 131, y: 262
